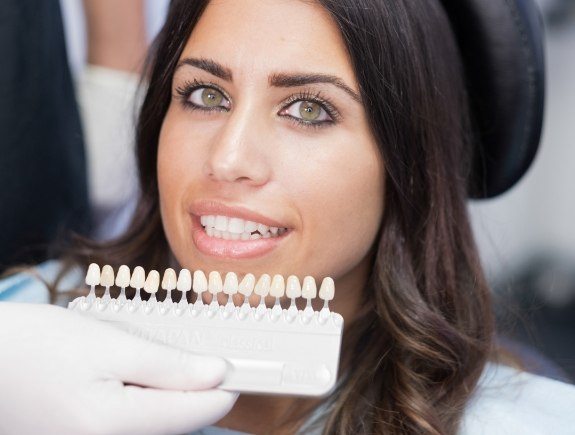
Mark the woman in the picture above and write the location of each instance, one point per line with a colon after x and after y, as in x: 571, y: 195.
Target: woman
x: 346, y: 124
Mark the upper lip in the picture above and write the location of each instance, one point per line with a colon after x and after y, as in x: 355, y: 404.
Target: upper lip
x: 213, y: 207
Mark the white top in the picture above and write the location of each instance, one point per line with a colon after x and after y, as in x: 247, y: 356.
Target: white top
x: 507, y: 401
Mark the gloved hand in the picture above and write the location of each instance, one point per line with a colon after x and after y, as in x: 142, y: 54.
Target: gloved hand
x: 64, y: 373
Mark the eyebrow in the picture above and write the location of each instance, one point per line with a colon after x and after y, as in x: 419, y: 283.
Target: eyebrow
x: 281, y: 80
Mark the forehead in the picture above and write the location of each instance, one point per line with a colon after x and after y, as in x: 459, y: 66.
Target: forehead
x: 256, y: 37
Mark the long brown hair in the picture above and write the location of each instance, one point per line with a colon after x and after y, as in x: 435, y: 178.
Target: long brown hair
x: 414, y: 356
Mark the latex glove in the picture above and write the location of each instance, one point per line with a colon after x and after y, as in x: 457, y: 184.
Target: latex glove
x: 64, y: 373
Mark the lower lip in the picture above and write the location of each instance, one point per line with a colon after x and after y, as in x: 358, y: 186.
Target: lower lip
x: 235, y: 249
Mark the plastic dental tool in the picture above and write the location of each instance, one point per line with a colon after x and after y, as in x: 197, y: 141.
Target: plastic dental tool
x: 271, y: 351
x: 123, y: 281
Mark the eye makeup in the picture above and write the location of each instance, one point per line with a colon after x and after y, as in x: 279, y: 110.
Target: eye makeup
x: 184, y: 91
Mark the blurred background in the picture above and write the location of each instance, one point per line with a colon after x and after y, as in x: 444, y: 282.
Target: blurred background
x: 526, y: 236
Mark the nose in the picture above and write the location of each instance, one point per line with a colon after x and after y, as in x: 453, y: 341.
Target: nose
x: 238, y: 153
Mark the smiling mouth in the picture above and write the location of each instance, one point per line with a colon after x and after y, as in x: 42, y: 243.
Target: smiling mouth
x: 233, y: 228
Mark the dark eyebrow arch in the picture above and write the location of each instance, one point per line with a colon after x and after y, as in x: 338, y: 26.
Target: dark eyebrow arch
x: 288, y: 80
x: 208, y: 65
x: 282, y: 80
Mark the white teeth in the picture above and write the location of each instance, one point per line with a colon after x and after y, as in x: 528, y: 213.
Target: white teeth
x: 231, y: 283
x: 107, y: 276
x: 277, y: 288
x: 138, y: 277
x: 123, y: 276
x: 293, y: 288
x: 152, y: 282
x: 255, y: 236
x: 327, y: 289
x: 221, y: 223
x: 199, y: 283
x: 262, y: 287
x: 184, y: 283
x: 233, y: 228
x: 215, y: 282
x: 236, y: 225
x: 247, y: 285
x: 309, y: 289
x: 169, y: 281
x: 93, y: 275
x: 250, y: 227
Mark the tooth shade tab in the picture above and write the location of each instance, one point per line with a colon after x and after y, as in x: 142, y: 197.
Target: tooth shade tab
x: 107, y: 276
x: 199, y: 282
x: 327, y: 289
x: 215, y: 282
x: 309, y: 288
x: 138, y: 278
x: 277, y: 288
x: 293, y: 287
x: 93, y: 275
x: 184, y: 283
x: 152, y: 282
x: 231, y: 283
x: 123, y: 276
x: 262, y: 287
x: 169, y: 280
x: 246, y: 287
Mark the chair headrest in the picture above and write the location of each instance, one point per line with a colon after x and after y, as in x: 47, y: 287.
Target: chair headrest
x: 501, y: 44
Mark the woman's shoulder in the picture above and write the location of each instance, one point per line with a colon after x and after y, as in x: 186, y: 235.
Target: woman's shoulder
x: 30, y: 284
x: 509, y: 401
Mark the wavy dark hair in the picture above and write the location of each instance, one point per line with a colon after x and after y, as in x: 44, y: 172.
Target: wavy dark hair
x: 413, y: 358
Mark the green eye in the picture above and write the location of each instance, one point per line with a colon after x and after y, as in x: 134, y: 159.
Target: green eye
x: 309, y: 110
x: 205, y: 98
x: 211, y: 97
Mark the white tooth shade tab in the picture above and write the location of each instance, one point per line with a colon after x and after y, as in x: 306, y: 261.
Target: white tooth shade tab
x: 123, y: 276
x: 215, y: 282
x: 169, y: 280
x: 107, y: 276
x: 246, y: 287
x: 184, y: 283
x: 231, y: 283
x: 277, y: 288
x: 262, y: 287
x: 309, y: 289
x: 138, y: 278
x: 327, y: 289
x: 152, y: 282
x: 93, y: 275
x: 293, y: 287
x: 199, y: 283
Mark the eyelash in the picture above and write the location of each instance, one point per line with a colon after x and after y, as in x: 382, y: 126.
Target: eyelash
x: 183, y: 92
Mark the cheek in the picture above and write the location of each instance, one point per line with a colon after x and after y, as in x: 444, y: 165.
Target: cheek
x: 341, y: 197
x: 175, y: 170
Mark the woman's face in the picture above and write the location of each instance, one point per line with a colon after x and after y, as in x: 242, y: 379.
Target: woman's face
x: 265, y: 126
